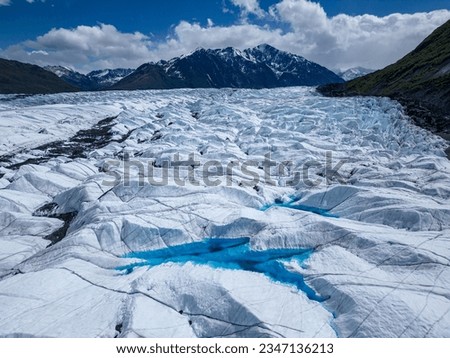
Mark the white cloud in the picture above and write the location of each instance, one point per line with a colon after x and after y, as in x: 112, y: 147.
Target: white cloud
x: 345, y: 41
x: 338, y: 42
x: 249, y: 7
x: 39, y: 52
x: 85, y: 48
x: 298, y: 26
x: 8, y: 2
x: 302, y: 15
x: 187, y: 37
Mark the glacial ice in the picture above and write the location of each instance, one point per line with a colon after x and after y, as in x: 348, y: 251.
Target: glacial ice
x: 355, y: 243
x: 229, y: 253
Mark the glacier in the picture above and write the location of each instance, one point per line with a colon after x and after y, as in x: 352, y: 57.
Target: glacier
x: 221, y: 213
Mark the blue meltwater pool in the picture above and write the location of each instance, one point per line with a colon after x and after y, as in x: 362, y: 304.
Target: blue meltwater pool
x: 230, y: 253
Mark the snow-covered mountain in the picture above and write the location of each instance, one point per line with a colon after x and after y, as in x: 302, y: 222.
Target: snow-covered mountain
x: 355, y: 72
x: 221, y: 213
x: 260, y: 67
x: 107, y: 78
x: 95, y: 80
x: 72, y: 77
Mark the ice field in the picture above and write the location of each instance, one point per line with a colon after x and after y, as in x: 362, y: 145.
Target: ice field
x: 221, y: 213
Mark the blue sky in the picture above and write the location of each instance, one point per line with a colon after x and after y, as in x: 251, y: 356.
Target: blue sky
x: 172, y: 27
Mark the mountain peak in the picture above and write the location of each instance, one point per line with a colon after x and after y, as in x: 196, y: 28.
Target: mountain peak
x: 196, y: 51
x: 271, y: 54
x: 95, y: 80
x: 265, y: 47
x: 263, y: 66
x: 354, y: 72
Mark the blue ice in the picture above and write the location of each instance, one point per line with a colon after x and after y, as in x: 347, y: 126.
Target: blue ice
x: 231, y: 253
x: 293, y: 204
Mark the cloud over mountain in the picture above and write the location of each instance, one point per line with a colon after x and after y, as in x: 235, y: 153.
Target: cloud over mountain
x: 298, y: 26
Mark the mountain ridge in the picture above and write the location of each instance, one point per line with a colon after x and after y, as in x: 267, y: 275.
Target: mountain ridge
x: 354, y: 72
x: 260, y: 67
x: 93, y: 81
